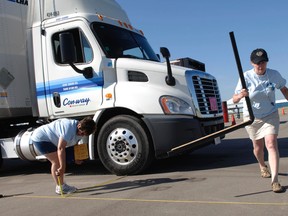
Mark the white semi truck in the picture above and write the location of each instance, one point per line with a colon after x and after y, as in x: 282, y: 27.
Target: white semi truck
x: 82, y: 58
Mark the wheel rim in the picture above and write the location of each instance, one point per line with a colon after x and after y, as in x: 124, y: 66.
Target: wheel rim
x: 122, y: 146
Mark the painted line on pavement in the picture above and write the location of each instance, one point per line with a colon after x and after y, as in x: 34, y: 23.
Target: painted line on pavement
x: 155, y: 200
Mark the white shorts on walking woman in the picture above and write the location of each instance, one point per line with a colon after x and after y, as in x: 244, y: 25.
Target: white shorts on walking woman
x: 262, y: 127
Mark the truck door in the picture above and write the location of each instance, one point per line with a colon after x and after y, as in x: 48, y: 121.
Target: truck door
x: 69, y: 93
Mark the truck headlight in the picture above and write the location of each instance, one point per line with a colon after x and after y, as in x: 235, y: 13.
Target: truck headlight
x: 173, y: 105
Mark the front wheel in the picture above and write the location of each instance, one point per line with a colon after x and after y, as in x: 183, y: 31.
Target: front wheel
x: 123, y: 146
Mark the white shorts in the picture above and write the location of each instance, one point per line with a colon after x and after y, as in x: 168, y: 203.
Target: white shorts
x: 265, y: 126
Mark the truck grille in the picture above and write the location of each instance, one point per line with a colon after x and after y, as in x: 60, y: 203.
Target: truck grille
x: 208, y: 95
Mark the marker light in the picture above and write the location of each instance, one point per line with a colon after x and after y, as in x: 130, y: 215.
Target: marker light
x: 100, y: 17
x: 108, y: 96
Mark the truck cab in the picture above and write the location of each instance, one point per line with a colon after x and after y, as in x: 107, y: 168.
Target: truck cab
x: 85, y: 58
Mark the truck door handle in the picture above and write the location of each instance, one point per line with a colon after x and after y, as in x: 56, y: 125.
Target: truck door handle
x: 56, y: 99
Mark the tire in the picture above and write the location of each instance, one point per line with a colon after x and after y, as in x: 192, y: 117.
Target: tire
x: 123, y: 146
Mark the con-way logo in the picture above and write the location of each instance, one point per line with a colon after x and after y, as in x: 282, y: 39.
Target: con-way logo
x: 23, y: 2
x: 76, y: 102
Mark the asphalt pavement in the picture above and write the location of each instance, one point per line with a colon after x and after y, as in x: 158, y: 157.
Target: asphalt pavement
x: 215, y: 180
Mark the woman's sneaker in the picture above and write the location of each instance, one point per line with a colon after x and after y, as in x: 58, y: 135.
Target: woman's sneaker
x: 277, y: 188
x: 265, y: 173
x: 66, y: 189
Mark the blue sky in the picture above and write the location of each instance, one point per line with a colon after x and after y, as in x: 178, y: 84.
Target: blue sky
x: 200, y: 30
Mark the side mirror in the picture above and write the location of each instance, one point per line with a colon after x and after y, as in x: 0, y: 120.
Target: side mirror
x: 68, y: 53
x: 170, y: 80
x: 165, y: 52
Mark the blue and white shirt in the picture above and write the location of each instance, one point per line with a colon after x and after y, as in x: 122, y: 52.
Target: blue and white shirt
x: 65, y: 128
x: 261, y: 90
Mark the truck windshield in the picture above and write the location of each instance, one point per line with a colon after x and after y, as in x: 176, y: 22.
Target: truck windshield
x: 118, y: 42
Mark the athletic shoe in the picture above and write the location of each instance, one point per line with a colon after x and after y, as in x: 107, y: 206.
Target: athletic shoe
x: 277, y: 188
x: 66, y: 189
x: 265, y: 173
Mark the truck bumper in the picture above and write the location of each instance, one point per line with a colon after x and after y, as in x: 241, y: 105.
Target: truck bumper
x: 171, y: 131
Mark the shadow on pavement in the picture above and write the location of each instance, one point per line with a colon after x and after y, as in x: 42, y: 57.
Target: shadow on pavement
x: 231, y: 152
x: 106, y: 188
